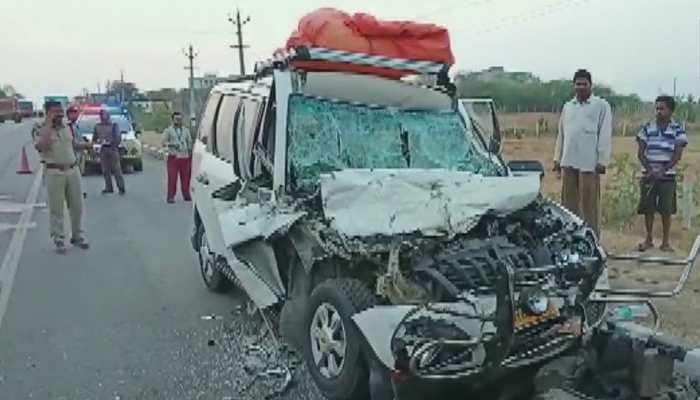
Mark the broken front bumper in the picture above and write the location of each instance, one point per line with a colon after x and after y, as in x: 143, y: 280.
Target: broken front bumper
x: 452, y: 342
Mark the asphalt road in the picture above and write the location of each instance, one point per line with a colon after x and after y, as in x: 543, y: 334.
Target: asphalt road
x: 122, y: 320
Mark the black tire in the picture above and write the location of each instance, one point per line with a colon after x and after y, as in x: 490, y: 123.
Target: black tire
x: 138, y: 165
x: 213, y: 279
x: 346, y: 297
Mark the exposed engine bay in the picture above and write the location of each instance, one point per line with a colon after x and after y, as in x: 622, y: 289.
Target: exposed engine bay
x: 509, y: 293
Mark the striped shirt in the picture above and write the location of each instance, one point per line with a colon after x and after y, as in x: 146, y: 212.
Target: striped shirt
x: 661, y: 143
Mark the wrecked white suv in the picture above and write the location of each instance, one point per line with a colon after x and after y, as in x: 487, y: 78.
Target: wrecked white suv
x: 403, y: 252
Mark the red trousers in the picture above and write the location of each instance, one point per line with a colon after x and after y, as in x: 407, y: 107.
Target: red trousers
x: 183, y: 167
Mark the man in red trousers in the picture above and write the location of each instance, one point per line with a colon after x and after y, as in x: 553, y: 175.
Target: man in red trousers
x: 178, y: 142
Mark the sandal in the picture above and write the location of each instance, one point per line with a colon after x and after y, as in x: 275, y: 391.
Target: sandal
x: 644, y: 246
x: 667, y: 248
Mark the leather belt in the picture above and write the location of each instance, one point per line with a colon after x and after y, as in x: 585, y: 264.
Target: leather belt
x: 61, y: 167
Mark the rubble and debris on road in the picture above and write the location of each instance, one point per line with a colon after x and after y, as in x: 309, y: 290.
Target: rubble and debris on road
x: 211, y: 317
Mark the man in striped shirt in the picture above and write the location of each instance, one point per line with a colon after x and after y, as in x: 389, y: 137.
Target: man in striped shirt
x: 661, y: 145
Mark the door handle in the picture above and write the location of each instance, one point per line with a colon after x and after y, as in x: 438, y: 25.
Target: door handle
x: 202, y: 178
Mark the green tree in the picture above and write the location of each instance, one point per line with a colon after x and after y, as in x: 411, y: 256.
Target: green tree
x: 514, y: 95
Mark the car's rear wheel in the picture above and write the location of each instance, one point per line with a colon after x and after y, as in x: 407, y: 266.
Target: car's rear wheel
x: 138, y: 165
x: 333, y: 343
x: 213, y: 278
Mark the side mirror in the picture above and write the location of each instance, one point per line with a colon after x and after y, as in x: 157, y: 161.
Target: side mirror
x: 526, y: 167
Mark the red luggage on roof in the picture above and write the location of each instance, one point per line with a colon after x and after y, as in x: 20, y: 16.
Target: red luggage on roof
x: 363, y: 33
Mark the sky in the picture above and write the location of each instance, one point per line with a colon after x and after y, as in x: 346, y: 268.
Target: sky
x: 62, y: 47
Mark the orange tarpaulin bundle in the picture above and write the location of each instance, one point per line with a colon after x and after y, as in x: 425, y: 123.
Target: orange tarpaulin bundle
x: 363, y: 33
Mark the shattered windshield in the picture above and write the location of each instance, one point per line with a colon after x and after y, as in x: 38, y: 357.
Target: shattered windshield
x: 329, y: 136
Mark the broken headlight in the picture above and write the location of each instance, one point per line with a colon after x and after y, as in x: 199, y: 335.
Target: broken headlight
x: 534, y: 301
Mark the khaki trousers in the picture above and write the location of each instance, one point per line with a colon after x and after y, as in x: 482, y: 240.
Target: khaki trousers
x: 111, y: 165
x: 64, y: 189
x: 580, y: 193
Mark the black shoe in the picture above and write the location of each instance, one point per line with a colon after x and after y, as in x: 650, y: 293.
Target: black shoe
x: 122, y: 192
x: 170, y: 201
x: 107, y: 191
x: 80, y: 243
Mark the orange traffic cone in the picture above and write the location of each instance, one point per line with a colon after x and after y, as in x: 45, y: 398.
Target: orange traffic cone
x: 24, y: 163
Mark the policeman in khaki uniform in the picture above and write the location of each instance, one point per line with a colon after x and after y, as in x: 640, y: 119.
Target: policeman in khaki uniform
x: 57, y: 146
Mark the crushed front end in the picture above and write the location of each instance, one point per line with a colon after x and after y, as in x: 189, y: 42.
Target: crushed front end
x: 510, y: 294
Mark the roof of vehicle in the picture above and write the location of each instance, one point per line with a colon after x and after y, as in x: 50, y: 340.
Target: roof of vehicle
x: 348, y: 86
x: 247, y: 85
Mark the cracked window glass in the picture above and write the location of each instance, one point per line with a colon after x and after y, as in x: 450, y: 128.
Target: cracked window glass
x: 327, y: 136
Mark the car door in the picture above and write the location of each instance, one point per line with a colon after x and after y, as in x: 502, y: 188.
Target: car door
x: 211, y: 165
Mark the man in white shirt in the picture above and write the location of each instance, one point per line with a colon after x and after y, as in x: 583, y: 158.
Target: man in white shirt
x: 178, y: 142
x: 582, y: 150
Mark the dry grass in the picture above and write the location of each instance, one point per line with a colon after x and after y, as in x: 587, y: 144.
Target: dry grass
x: 676, y: 312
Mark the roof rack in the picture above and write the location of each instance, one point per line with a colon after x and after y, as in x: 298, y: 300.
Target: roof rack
x: 402, y: 64
x: 283, y: 57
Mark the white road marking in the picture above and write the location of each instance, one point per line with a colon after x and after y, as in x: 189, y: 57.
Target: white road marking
x: 14, y: 251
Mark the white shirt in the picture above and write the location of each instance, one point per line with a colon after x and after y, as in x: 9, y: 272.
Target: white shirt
x: 585, y: 134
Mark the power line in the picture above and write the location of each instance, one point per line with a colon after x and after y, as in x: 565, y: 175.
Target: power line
x: 239, y: 34
x: 447, y: 8
x: 547, y: 10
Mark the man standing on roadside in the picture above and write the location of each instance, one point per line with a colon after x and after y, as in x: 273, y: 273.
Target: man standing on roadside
x: 583, y: 148
x: 178, y: 142
x: 661, y: 145
x: 108, y: 136
x: 57, y: 147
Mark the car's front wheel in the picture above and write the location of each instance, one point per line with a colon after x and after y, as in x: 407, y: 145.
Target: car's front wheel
x: 213, y: 278
x: 333, y: 343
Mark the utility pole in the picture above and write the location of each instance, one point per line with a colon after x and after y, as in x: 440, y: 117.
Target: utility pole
x: 121, y: 78
x: 191, y: 55
x: 239, y: 33
x: 675, y: 80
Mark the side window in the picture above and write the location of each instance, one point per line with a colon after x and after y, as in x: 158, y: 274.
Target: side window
x: 206, y: 133
x: 246, y: 129
x: 225, y: 125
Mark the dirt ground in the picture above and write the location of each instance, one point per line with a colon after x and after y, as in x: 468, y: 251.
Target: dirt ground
x: 677, y: 314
